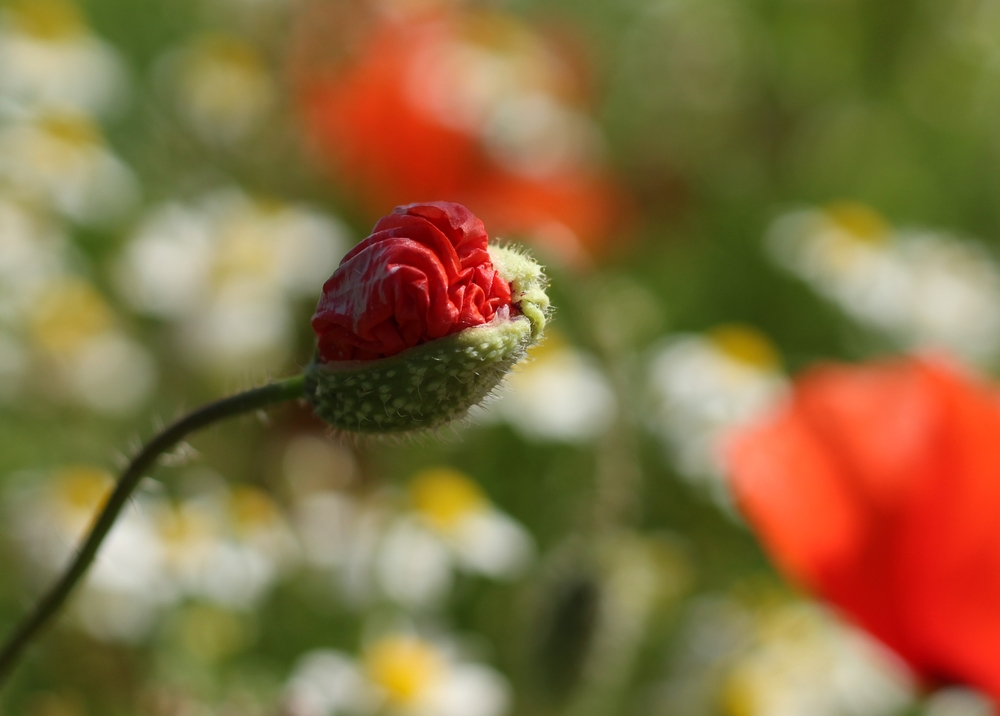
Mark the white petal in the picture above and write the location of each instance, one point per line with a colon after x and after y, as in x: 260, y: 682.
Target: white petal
x: 112, y: 373
x: 491, y: 543
x: 469, y: 690
x: 82, y: 180
x: 414, y: 566
x: 309, y: 246
x: 558, y: 397
x: 324, y: 522
x: 245, y: 323
x: 327, y: 683
x: 698, y: 395
x: 131, y: 558
x: 236, y: 576
x: 164, y: 270
x: 79, y: 73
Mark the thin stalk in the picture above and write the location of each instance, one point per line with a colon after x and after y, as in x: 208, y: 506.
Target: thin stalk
x: 48, y: 607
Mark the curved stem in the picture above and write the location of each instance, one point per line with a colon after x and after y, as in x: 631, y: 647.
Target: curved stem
x: 49, y: 605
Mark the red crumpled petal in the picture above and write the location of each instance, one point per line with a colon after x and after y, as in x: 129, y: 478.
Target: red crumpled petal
x: 878, y: 488
x: 424, y: 273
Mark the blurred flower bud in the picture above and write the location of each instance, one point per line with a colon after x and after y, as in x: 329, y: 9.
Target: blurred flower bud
x: 421, y: 321
x: 566, y: 634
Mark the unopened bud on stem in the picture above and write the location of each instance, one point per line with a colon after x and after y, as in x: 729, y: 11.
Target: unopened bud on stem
x: 433, y: 381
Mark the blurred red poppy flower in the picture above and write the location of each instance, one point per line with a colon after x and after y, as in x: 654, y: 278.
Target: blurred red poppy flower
x: 424, y: 273
x: 878, y: 488
x: 469, y: 105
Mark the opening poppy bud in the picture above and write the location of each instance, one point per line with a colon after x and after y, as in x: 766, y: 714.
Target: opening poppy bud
x: 421, y: 321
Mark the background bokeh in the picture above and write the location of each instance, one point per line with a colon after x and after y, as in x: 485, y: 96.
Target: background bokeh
x: 723, y: 191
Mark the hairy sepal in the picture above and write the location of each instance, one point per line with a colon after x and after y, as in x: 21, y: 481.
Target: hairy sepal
x: 422, y: 387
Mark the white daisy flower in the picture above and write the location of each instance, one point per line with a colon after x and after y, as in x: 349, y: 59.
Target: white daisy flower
x: 223, y: 87
x: 341, y: 534
x: 561, y: 394
x: 32, y: 253
x: 924, y: 289
x: 782, y: 658
x: 380, y: 545
x: 229, y: 547
x: 804, y: 661
x: 399, y: 674
x: 512, y: 93
x: 49, y: 59
x: 62, y: 162
x: 452, y: 525
x: 73, y: 330
x: 339, y: 531
x: 56, y: 324
x: 227, y: 270
x: 704, y: 386
x: 128, y: 584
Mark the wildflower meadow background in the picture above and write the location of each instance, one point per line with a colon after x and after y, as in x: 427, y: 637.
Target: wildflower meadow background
x: 723, y: 192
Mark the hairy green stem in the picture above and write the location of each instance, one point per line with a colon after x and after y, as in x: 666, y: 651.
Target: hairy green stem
x: 48, y: 607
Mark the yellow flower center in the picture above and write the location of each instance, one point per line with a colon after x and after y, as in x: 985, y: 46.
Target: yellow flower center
x: 83, y: 489
x: 444, y: 496
x: 245, y: 250
x: 231, y: 51
x: 404, y: 667
x: 251, y: 509
x: 862, y: 222
x: 739, y: 695
x: 225, y: 77
x: 47, y: 19
x: 746, y: 345
x: 73, y: 130
x: 553, y: 344
x: 67, y: 315
x: 183, y: 531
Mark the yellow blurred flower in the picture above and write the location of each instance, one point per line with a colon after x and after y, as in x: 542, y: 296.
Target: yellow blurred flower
x: 399, y: 674
x: 404, y: 667
x: 445, y: 496
x: 67, y: 315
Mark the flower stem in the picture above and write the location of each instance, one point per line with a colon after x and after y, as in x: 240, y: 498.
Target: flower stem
x: 46, y: 609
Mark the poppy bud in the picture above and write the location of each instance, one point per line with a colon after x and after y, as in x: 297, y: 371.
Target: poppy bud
x: 421, y: 321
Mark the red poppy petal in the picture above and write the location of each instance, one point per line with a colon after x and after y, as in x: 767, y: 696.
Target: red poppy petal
x: 879, y: 488
x: 424, y: 273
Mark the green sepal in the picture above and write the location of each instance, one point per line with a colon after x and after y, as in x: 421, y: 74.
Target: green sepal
x: 422, y: 387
